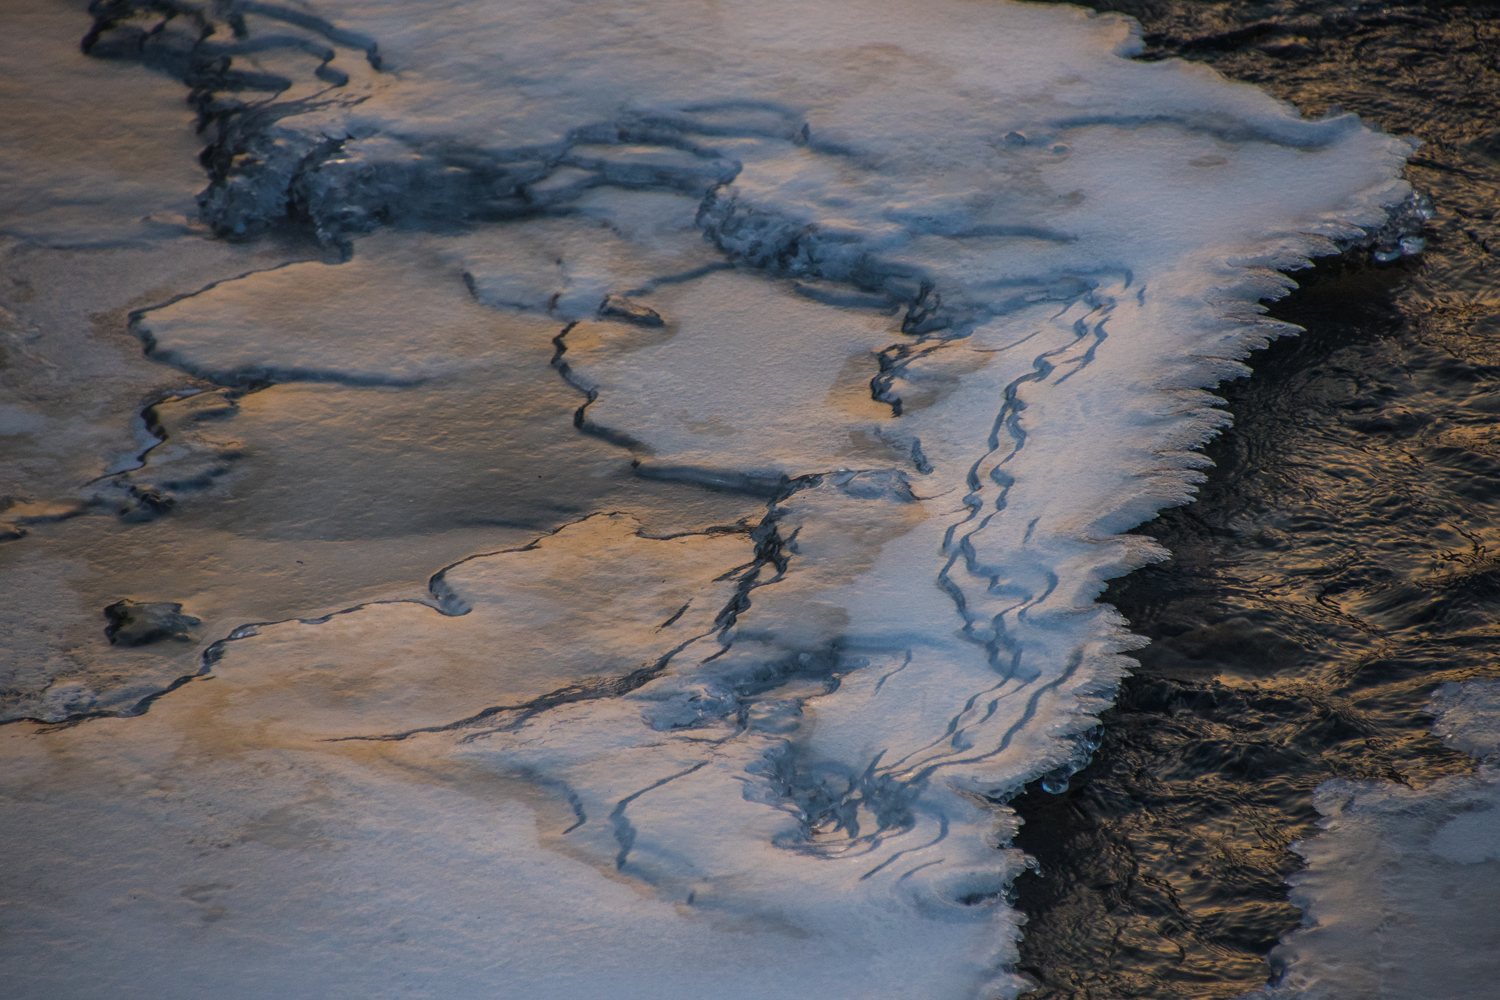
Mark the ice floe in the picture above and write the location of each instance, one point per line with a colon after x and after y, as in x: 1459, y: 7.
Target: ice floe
x: 1398, y: 897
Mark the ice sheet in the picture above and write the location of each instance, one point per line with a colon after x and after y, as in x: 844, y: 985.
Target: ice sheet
x: 943, y: 282
x: 119, y: 172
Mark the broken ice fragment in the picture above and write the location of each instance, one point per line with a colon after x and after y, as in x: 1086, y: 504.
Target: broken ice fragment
x: 148, y: 505
x: 136, y: 624
x: 1468, y: 717
x: 620, y: 307
x: 1412, y: 245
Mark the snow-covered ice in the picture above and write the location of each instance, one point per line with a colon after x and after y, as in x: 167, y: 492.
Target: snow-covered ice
x: 944, y: 282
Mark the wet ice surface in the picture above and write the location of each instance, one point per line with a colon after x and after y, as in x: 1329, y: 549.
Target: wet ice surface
x: 939, y: 290
x: 1399, y: 892
x: 113, y: 170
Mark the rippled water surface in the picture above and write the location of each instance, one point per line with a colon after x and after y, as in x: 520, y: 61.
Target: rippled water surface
x: 1341, y: 559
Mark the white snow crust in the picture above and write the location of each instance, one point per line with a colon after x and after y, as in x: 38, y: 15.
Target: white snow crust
x: 945, y: 281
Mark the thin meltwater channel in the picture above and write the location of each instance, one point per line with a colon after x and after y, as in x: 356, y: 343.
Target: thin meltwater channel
x: 1339, y: 562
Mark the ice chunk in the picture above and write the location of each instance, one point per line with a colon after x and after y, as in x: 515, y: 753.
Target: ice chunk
x: 1468, y: 717
x: 743, y: 379
x: 132, y: 623
x: 1412, y: 245
x: 319, y: 828
x: 612, y: 242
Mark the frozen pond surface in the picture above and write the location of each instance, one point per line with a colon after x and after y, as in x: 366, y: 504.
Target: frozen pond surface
x: 641, y: 546
x: 1399, y: 882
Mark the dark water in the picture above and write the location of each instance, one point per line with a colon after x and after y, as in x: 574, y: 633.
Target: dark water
x: 1342, y: 559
